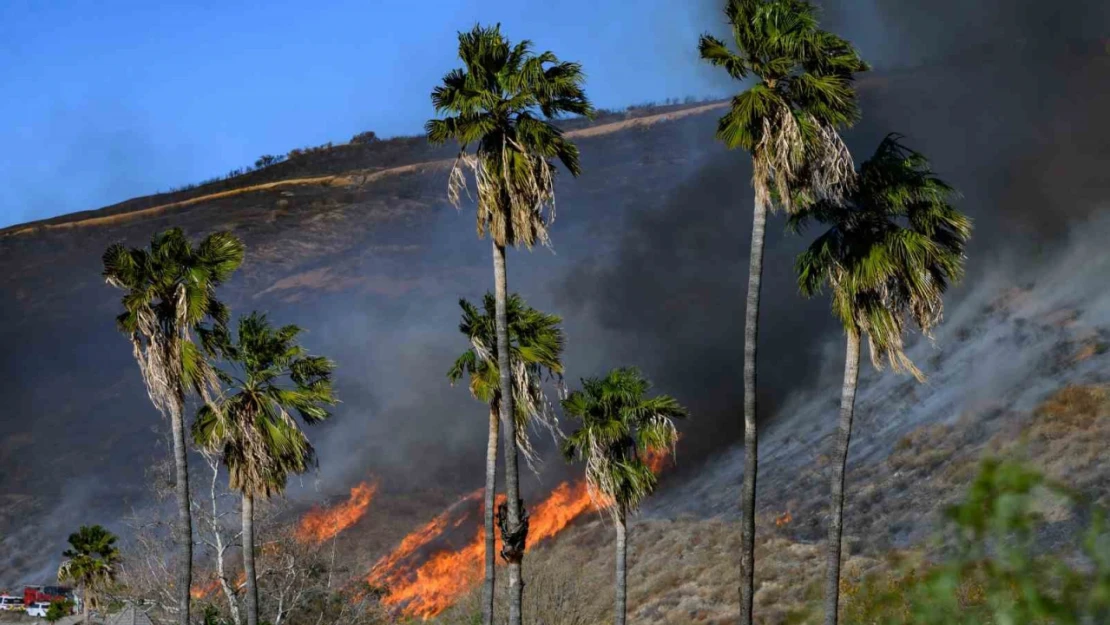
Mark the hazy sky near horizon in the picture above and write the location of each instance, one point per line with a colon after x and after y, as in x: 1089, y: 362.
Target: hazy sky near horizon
x: 110, y: 100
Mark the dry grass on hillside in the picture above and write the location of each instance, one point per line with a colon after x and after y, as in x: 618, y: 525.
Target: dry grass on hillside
x: 681, y: 571
x: 352, y: 176
x: 686, y: 570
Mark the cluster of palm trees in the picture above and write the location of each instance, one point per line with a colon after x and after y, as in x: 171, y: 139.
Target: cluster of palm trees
x: 249, y: 383
x: 620, y: 426
x: 893, y: 244
x: 894, y: 241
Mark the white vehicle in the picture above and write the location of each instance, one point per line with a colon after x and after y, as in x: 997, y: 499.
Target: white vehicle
x: 38, y: 608
x: 8, y: 602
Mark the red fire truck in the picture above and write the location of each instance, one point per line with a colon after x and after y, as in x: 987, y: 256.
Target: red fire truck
x: 46, y: 594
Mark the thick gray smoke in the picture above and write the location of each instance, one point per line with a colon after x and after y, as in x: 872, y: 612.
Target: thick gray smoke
x: 1006, y: 99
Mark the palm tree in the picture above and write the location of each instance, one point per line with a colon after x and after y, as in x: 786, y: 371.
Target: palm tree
x: 788, y: 119
x: 892, y: 247
x: 170, y: 290
x: 251, y: 425
x: 504, y: 100
x: 536, y: 344
x: 90, y: 563
x: 619, y: 425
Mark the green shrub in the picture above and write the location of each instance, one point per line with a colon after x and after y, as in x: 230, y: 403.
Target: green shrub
x: 995, y: 575
x: 59, y: 609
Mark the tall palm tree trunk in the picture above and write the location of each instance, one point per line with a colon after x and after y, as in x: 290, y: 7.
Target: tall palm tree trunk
x: 622, y: 570
x: 513, y: 543
x: 85, y: 604
x: 751, y: 450
x: 844, y: 437
x: 248, y: 559
x: 183, y: 532
x: 490, y: 500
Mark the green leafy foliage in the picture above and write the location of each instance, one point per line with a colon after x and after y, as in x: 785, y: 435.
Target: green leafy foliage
x: 269, y: 376
x: 59, y: 609
x: 995, y: 574
x: 91, y: 561
x: 891, y: 248
x: 212, y: 616
x: 620, y: 425
x: 504, y: 101
x: 536, y: 348
x: 803, y: 92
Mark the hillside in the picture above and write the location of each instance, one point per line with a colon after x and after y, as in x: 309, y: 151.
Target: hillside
x: 357, y: 226
x: 358, y: 245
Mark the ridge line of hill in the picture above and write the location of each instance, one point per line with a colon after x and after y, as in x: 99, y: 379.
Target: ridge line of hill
x: 105, y: 215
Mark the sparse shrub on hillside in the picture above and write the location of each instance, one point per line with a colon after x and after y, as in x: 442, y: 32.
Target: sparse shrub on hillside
x: 363, y: 138
x: 268, y: 159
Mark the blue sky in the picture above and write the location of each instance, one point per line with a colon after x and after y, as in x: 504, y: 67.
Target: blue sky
x: 103, y: 101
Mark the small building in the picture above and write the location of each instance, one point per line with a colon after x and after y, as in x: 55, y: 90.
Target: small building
x: 129, y: 616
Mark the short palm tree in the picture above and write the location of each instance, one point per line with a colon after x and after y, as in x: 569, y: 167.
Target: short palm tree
x: 536, y: 344
x: 788, y: 120
x: 503, y: 101
x: 619, y: 425
x: 169, y: 290
x: 90, y: 563
x: 252, y: 427
x: 890, y: 251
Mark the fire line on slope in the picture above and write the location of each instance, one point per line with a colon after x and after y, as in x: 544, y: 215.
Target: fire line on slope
x: 321, y: 524
x: 424, y: 590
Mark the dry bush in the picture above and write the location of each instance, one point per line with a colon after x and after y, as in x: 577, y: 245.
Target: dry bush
x: 1069, y: 409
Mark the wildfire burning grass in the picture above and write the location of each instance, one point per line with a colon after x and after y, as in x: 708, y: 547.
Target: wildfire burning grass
x: 325, y: 523
x: 427, y: 589
x: 201, y: 592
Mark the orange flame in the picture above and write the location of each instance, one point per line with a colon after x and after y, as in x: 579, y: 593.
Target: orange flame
x: 427, y: 590
x: 322, y: 524
x: 201, y: 592
x: 384, y: 571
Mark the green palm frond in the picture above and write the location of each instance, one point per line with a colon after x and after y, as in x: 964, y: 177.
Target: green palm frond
x: 169, y: 294
x: 270, y: 377
x: 890, y: 251
x: 803, y: 93
x: 503, y: 101
x: 92, y: 558
x: 536, y: 343
x: 619, y: 424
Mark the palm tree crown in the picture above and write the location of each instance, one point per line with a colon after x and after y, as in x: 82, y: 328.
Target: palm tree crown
x: 169, y: 290
x: 92, y: 559
x: 504, y: 100
x: 788, y: 119
x: 619, y: 425
x: 536, y: 348
x: 252, y: 426
x: 890, y: 252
